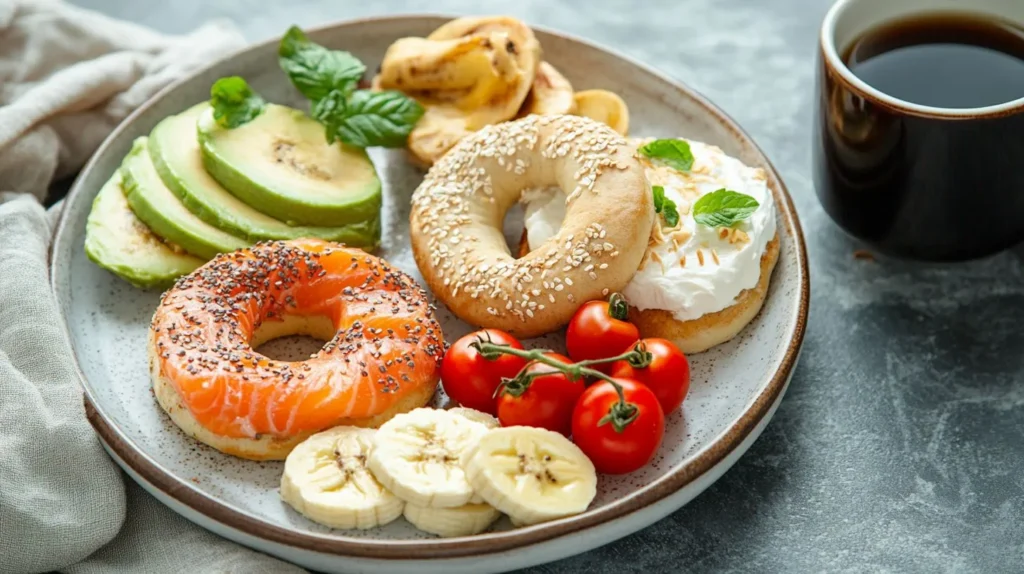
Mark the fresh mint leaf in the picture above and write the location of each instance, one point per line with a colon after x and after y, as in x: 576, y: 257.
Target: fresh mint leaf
x: 659, y: 197
x: 671, y: 152
x: 670, y: 214
x: 314, y: 70
x: 368, y: 118
x: 723, y: 208
x: 665, y: 206
x: 234, y: 103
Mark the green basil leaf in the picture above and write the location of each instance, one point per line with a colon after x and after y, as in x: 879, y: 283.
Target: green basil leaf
x: 314, y: 70
x: 372, y: 119
x: 723, y: 208
x: 234, y: 103
x: 671, y: 152
x: 330, y: 111
x: 665, y: 206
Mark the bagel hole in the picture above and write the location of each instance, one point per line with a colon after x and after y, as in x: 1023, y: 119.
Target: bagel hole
x: 293, y: 337
x: 513, y: 228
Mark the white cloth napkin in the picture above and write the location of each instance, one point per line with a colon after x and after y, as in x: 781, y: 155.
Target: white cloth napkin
x: 67, y: 77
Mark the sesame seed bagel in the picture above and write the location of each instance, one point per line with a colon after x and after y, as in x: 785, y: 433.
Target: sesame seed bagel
x: 458, y: 212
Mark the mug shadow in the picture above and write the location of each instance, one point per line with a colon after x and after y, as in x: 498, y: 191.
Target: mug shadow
x: 1018, y: 251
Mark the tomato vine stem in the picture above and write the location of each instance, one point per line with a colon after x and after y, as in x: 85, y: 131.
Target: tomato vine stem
x: 620, y: 415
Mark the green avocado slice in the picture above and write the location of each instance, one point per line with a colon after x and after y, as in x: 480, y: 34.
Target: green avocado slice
x: 176, y: 155
x: 281, y: 164
x: 117, y: 241
x: 161, y: 210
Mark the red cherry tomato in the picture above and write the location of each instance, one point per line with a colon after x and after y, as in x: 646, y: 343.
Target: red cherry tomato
x: 668, y: 373
x: 546, y: 401
x: 600, y: 330
x: 470, y: 379
x: 616, y: 450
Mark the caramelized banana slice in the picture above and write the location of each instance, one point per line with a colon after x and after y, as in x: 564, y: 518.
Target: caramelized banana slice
x: 466, y: 72
x: 440, y: 128
x: 550, y: 94
x: 515, y: 39
x: 469, y: 73
x: 603, y: 106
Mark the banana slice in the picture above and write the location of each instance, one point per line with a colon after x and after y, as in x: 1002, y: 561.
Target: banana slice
x: 482, y: 418
x: 469, y: 73
x: 476, y: 416
x: 516, y: 39
x: 603, y: 106
x: 326, y: 479
x: 550, y: 94
x: 422, y: 64
x: 418, y: 456
x: 531, y: 474
x: 458, y: 521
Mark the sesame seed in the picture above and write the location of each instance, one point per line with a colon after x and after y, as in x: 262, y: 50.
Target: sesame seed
x: 441, y: 208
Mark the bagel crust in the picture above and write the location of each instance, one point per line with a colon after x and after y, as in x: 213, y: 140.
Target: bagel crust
x: 266, y: 447
x: 700, y: 334
x: 382, y: 353
x: 458, y: 212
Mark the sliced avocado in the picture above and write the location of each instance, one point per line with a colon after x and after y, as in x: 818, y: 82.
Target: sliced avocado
x: 175, y: 153
x: 281, y: 164
x: 117, y: 241
x: 161, y: 210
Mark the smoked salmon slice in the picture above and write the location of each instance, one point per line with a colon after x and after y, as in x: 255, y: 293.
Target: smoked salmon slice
x: 386, y: 347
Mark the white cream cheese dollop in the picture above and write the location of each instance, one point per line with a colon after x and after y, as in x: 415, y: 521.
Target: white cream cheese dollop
x: 692, y: 270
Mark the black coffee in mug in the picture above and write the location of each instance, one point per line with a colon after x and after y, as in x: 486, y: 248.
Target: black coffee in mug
x: 945, y: 61
x: 919, y: 135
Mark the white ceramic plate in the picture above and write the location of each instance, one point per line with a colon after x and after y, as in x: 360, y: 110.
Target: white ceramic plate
x: 735, y: 388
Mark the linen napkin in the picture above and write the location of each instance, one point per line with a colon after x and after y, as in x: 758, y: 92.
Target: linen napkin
x: 67, y: 77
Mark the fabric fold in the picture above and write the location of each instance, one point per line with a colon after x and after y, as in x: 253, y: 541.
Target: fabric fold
x: 61, y: 497
x: 68, y: 76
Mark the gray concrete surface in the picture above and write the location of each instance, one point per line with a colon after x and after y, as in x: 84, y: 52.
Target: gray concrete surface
x: 899, y: 445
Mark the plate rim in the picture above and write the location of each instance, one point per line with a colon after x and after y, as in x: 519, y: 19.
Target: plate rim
x: 465, y: 546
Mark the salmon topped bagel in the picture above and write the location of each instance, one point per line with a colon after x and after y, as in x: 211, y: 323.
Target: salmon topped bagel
x: 382, y: 356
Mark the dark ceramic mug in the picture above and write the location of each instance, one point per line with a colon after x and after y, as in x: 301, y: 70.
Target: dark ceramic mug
x: 911, y: 180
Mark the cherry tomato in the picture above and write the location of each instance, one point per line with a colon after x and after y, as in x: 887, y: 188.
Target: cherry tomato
x: 615, y: 450
x: 668, y: 373
x: 470, y: 379
x: 600, y: 330
x: 546, y: 401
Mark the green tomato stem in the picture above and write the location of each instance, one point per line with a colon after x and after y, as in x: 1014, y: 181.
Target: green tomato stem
x: 622, y: 413
x: 617, y: 307
x: 620, y: 416
x: 638, y: 357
